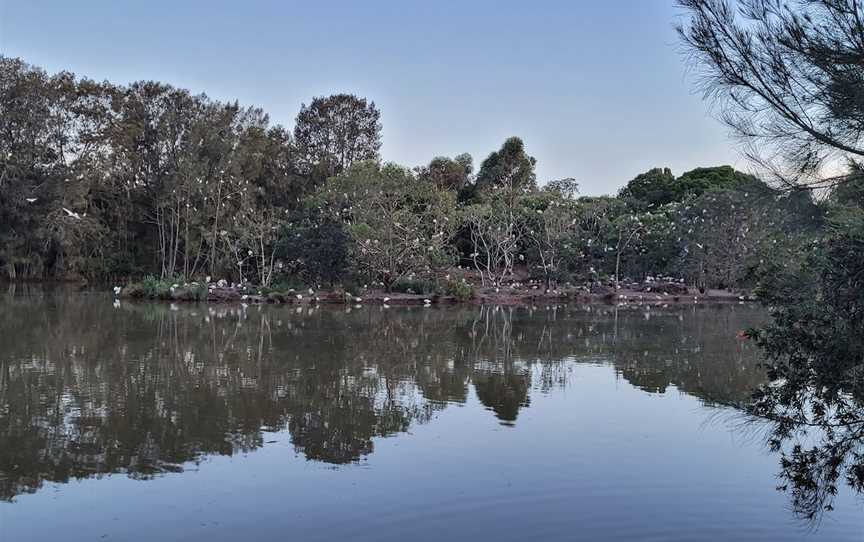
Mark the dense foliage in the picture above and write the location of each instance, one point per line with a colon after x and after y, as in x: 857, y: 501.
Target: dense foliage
x: 101, y: 181
x: 788, y: 78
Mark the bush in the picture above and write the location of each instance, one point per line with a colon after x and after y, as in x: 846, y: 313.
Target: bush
x: 189, y: 292
x: 413, y: 286
x: 133, y: 290
x: 169, y: 289
x: 287, y: 283
x: 155, y: 288
x: 459, y: 289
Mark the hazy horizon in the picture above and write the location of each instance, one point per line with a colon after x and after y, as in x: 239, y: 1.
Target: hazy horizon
x: 598, y: 92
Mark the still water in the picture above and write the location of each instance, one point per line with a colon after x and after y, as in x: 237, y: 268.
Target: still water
x: 147, y: 422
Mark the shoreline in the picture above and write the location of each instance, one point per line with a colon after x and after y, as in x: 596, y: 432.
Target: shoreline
x: 483, y: 296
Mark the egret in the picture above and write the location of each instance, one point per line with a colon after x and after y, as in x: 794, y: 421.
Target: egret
x: 73, y: 215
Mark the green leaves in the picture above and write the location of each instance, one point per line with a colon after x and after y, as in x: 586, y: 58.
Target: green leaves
x: 399, y: 226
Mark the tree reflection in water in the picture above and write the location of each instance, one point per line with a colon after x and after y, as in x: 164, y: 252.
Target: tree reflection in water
x: 88, y: 389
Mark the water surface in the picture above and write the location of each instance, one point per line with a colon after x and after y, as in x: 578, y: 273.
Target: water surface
x: 149, y: 422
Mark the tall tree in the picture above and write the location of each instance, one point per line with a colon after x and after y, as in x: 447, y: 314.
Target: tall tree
x: 787, y: 78
x: 447, y: 173
x: 510, y: 169
x: 654, y: 187
x: 335, y: 131
x: 399, y: 226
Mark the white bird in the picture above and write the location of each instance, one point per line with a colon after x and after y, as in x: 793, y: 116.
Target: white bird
x: 386, y: 299
x: 117, y: 290
x: 73, y: 215
x: 30, y: 200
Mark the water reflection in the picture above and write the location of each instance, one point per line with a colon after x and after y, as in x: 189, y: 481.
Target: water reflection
x: 87, y: 388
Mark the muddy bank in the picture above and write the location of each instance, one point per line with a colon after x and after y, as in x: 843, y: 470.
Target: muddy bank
x: 657, y: 294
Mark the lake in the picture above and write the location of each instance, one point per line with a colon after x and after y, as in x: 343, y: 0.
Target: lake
x: 149, y: 421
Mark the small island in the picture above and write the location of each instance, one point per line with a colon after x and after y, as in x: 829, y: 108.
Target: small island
x: 660, y: 292
x: 204, y: 188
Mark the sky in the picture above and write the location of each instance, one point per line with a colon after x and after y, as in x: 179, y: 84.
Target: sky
x: 598, y: 91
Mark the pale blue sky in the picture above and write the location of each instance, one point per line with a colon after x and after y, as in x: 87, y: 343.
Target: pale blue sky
x: 596, y: 89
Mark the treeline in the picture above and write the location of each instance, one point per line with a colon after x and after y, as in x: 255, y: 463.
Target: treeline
x: 102, y: 181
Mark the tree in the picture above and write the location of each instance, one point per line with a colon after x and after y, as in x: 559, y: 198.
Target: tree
x: 51, y: 130
x: 495, y: 233
x: 314, y: 246
x: 786, y: 79
x: 815, y: 359
x: 447, y: 173
x: 550, y: 223
x: 652, y: 188
x: 698, y: 181
x: 566, y: 188
x: 658, y: 187
x: 509, y: 169
x: 336, y: 131
x: 656, y: 249
x: 595, y: 223
x: 628, y: 228
x: 399, y: 226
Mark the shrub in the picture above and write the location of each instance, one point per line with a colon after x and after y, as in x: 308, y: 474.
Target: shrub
x: 413, y: 286
x: 169, y: 289
x: 189, y: 292
x: 459, y: 289
x: 133, y: 290
x: 155, y: 288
